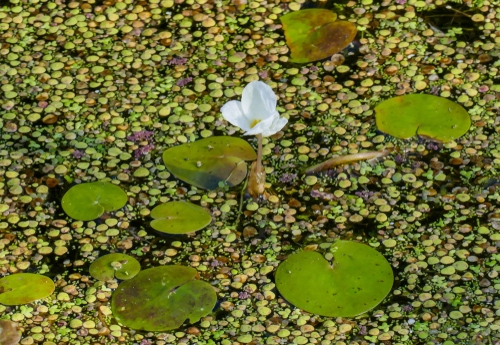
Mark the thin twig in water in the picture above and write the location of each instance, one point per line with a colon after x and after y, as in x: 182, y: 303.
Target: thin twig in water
x: 241, y: 203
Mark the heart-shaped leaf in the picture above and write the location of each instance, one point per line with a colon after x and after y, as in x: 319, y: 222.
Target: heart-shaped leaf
x: 88, y: 201
x: 17, y: 289
x: 428, y: 116
x: 207, y: 162
x: 121, y: 266
x: 179, y: 217
x: 358, y: 281
x: 313, y: 34
x: 162, y: 298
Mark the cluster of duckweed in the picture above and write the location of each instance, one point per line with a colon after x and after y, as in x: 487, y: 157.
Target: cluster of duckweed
x: 83, y: 83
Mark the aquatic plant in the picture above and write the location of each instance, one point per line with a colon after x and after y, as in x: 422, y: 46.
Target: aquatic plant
x: 88, y: 201
x: 116, y: 265
x: 179, y: 217
x: 162, y: 298
x: 208, y: 162
x: 17, y: 289
x: 256, y: 114
x: 358, y: 280
x: 424, y: 115
x: 315, y: 34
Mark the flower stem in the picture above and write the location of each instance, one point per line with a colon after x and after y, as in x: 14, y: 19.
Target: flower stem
x: 258, y: 168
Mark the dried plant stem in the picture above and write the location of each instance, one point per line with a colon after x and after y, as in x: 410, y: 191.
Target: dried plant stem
x: 457, y: 11
x: 332, y: 162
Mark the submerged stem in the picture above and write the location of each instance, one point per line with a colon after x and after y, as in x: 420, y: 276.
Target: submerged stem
x: 258, y: 167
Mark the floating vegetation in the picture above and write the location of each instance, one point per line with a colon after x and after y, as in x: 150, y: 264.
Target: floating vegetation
x: 88, y: 201
x: 18, y: 289
x: 207, y: 163
x: 116, y: 265
x: 179, y: 217
x: 97, y: 91
x: 358, y: 280
x: 427, y: 116
x: 168, y: 295
x: 315, y: 34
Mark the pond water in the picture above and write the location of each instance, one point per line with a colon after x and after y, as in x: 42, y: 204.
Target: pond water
x: 97, y: 91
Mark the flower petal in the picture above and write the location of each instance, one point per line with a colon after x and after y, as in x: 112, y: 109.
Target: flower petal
x: 233, y: 112
x: 275, y: 127
x: 258, y: 101
x: 262, y: 126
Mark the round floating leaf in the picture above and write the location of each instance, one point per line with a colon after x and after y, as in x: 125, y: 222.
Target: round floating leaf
x: 17, y: 289
x: 162, y: 298
x: 358, y: 281
x: 88, y: 201
x: 179, y: 217
x: 9, y: 333
x: 428, y: 116
x: 207, y: 162
x: 313, y: 34
x: 121, y: 266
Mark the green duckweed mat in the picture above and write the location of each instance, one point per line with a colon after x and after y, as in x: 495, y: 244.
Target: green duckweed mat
x: 97, y: 90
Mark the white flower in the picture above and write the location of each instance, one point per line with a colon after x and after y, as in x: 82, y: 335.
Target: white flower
x: 256, y: 113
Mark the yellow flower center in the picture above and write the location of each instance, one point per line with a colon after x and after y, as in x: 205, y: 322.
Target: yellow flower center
x: 254, y: 123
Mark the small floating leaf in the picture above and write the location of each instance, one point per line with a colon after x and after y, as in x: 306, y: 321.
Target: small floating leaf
x: 313, y: 34
x: 207, y: 162
x: 17, y: 289
x: 88, y: 201
x: 428, y: 116
x: 121, y: 266
x: 179, y: 217
x: 358, y: 281
x: 162, y: 298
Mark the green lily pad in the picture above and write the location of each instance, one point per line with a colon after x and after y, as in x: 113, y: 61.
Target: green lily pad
x: 88, y: 201
x: 428, y: 116
x: 207, y: 162
x: 314, y: 34
x: 358, y: 280
x: 116, y: 265
x: 17, y: 289
x: 162, y: 298
x: 179, y: 217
